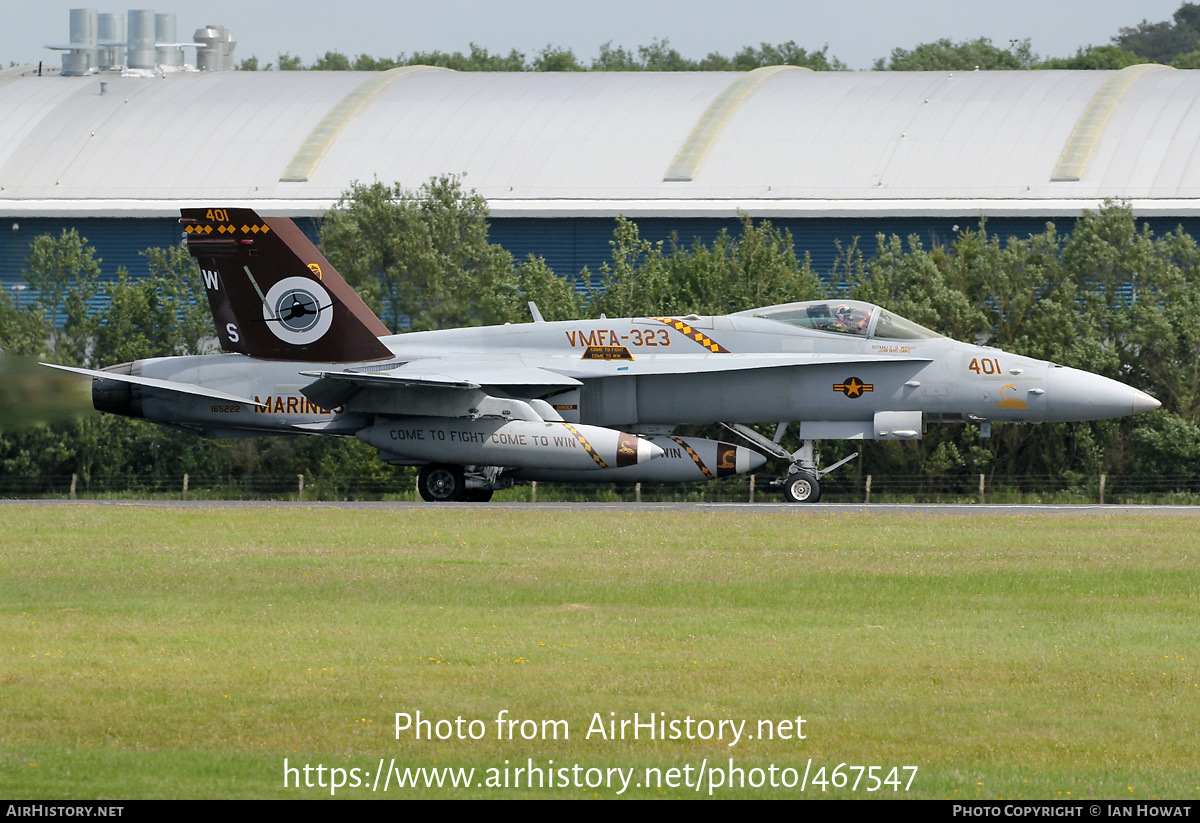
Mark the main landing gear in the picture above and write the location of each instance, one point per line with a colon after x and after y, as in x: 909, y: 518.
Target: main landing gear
x: 802, y: 483
x: 440, y: 483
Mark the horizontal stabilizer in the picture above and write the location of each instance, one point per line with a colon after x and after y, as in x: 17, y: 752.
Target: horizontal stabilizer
x: 161, y: 385
x: 405, y: 391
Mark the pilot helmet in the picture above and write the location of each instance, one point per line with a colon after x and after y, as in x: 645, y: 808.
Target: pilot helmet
x: 844, y: 314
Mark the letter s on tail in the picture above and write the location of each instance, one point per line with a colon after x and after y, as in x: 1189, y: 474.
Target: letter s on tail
x: 273, y: 295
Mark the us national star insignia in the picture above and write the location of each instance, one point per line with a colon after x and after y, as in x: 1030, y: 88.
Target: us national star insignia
x: 853, y: 387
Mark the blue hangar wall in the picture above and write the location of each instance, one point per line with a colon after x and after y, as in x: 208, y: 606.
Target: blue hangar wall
x: 566, y: 244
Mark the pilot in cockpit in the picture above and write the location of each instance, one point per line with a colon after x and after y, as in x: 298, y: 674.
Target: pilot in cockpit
x: 851, y: 319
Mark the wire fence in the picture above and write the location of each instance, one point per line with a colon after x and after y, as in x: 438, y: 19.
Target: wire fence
x: 846, y: 488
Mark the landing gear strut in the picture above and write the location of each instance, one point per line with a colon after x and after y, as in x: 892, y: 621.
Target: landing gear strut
x: 802, y: 484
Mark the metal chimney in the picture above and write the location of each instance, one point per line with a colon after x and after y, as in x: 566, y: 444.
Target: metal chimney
x: 169, y: 55
x: 110, y: 56
x: 215, y: 50
x: 81, y: 56
x: 141, y: 39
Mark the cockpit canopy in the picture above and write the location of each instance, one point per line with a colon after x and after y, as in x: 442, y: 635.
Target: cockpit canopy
x: 845, y: 317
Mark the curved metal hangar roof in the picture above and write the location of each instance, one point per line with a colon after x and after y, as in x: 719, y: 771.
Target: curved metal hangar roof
x: 777, y: 141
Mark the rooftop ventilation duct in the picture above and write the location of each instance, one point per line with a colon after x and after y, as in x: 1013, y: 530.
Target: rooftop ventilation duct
x: 215, y: 48
x: 98, y: 41
x: 80, y: 57
x: 141, y: 53
x: 110, y: 56
x: 169, y: 52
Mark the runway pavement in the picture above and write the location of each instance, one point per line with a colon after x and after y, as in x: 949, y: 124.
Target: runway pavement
x: 961, y: 509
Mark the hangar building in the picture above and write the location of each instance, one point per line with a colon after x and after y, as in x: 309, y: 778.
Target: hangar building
x: 827, y: 155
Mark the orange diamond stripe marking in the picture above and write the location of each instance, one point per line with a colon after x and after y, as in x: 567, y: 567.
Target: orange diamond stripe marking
x: 695, y: 459
x: 698, y: 336
x: 586, y: 445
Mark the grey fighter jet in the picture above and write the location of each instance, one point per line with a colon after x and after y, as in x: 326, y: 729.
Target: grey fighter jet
x: 595, y: 400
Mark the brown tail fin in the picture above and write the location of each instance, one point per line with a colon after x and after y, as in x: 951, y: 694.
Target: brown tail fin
x: 273, y: 295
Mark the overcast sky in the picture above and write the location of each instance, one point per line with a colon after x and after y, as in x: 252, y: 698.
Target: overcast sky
x: 856, y: 31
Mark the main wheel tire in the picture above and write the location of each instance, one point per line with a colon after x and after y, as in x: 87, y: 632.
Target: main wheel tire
x: 441, y: 484
x: 801, y: 488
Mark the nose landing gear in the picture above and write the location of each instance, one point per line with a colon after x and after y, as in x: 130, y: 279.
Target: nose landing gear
x: 802, y: 483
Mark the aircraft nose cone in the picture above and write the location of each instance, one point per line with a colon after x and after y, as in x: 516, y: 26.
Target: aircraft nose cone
x: 1143, y: 402
x: 1079, y: 395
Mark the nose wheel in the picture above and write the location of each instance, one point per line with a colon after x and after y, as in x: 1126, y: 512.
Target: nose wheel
x: 801, y: 487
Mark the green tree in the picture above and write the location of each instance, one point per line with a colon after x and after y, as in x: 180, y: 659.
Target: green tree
x: 1024, y: 300
x: 331, y: 61
x: 784, y: 54
x: 249, y: 64
x: 479, y: 59
x: 946, y: 55
x: 163, y: 315
x: 65, y: 274
x: 659, y: 56
x: 422, y: 258
x: 755, y: 267
x: 1191, y: 60
x: 921, y: 285
x: 364, y: 62
x: 23, y: 331
x: 636, y: 283
x: 1164, y: 41
x: 1110, y: 58
x: 556, y: 297
x: 617, y: 59
x: 553, y: 58
x: 289, y: 63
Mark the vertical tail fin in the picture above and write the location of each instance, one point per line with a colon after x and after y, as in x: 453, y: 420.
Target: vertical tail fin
x: 273, y: 295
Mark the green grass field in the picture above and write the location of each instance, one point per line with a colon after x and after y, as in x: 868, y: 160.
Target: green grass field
x: 179, y: 652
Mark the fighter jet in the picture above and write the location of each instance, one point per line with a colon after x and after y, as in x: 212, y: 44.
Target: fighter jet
x: 582, y: 400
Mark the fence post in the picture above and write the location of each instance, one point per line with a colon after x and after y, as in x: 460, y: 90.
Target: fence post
x: 868, y: 500
x: 637, y: 492
x: 751, y: 488
x: 185, y: 481
x: 1103, y: 477
x: 300, y: 492
x: 981, y: 488
x: 533, y: 491
x: 74, y: 478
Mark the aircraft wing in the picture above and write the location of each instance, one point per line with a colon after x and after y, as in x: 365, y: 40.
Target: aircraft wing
x: 435, y: 387
x: 452, y: 374
x: 161, y: 385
